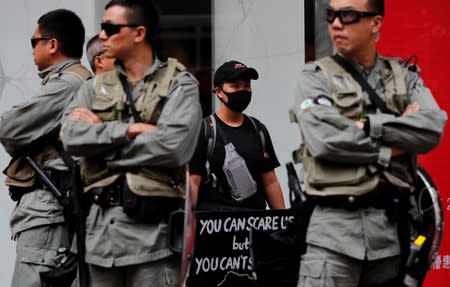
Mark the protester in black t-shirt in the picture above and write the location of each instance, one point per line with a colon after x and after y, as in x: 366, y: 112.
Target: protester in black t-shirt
x: 250, y: 138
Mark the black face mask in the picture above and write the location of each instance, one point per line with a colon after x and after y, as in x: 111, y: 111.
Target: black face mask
x: 238, y: 101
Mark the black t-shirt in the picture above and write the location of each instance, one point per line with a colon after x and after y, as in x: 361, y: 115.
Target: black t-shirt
x: 248, y: 144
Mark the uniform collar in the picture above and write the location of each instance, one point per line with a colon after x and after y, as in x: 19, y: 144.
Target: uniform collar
x: 56, y: 68
x: 150, y: 71
x: 366, y: 72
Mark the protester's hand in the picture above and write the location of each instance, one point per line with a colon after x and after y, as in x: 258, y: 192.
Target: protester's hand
x: 85, y: 115
x: 136, y: 129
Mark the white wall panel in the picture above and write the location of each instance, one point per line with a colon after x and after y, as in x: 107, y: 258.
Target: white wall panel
x: 269, y: 36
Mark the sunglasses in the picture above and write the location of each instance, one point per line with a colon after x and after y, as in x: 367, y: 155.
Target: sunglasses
x: 111, y: 29
x: 34, y: 40
x: 347, y: 16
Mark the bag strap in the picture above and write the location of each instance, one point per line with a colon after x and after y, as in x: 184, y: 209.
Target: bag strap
x: 127, y: 90
x: 260, y: 132
x: 374, y: 97
x: 210, y: 135
x: 211, y: 132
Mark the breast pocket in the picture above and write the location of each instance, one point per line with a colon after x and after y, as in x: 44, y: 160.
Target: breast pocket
x: 106, y: 107
x: 349, y: 103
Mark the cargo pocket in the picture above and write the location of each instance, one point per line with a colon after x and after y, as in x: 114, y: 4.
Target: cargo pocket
x: 171, y: 277
x: 311, y: 272
x: 349, y: 103
x: 322, y: 173
x: 40, y: 245
x: 36, y: 256
x: 104, y: 106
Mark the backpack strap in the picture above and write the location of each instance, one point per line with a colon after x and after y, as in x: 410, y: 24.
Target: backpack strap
x: 260, y: 131
x: 210, y: 136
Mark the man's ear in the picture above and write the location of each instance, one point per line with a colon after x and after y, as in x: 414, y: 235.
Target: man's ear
x: 141, y: 31
x: 377, y: 23
x: 55, y: 46
x: 98, y: 62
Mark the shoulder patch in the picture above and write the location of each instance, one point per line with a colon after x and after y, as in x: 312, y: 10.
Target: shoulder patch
x: 306, y: 104
x: 311, y: 67
x: 323, y: 100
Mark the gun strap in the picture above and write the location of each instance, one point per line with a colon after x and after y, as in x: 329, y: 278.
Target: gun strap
x: 374, y: 97
x: 127, y: 90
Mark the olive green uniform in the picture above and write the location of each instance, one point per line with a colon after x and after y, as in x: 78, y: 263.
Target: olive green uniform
x: 115, y: 241
x: 357, y: 247
x: 37, y: 219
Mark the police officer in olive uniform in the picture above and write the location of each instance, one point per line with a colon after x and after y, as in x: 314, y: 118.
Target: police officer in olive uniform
x: 356, y: 157
x: 37, y: 221
x: 134, y: 128
x: 96, y: 59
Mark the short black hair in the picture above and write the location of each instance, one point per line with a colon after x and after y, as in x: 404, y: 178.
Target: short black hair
x: 93, y: 49
x: 66, y: 27
x: 141, y: 12
x: 376, y: 6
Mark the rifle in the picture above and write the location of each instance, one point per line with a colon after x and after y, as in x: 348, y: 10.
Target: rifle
x: 47, y: 181
x: 66, y: 271
x: 302, y: 206
x: 296, y: 195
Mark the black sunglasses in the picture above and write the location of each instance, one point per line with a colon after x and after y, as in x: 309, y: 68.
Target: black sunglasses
x: 34, y: 40
x: 111, y: 29
x: 346, y: 16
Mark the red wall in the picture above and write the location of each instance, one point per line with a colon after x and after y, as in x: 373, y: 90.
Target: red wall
x: 423, y: 29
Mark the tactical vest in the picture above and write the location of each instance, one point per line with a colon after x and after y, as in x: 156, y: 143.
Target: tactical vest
x: 323, y: 177
x: 19, y: 173
x: 109, y: 105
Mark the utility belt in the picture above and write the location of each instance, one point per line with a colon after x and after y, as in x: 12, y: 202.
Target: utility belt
x: 382, y: 197
x: 61, y: 178
x: 148, y: 209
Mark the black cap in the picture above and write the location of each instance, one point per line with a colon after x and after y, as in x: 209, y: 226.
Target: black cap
x: 232, y: 70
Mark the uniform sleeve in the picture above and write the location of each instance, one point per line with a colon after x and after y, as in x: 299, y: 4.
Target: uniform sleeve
x: 173, y: 142
x: 84, y: 139
x: 326, y: 133
x: 418, y: 132
x: 41, y: 115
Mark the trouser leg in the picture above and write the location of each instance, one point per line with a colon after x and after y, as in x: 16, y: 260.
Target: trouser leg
x: 162, y: 273
x: 106, y: 276
x: 380, y: 273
